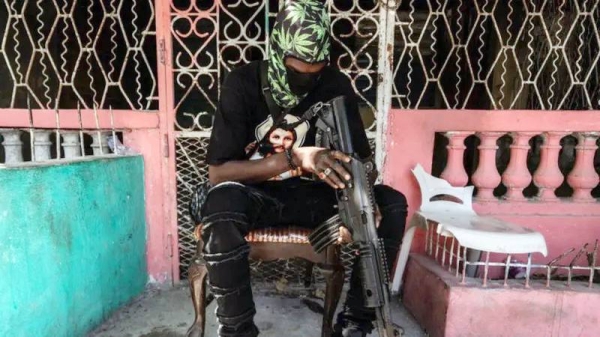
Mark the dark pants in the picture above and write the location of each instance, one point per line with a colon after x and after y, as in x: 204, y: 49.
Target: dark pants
x: 231, y: 210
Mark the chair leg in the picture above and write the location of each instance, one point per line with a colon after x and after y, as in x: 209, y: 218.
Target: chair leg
x: 197, y: 273
x: 473, y: 255
x: 333, y: 271
x: 308, y: 274
x: 402, y: 260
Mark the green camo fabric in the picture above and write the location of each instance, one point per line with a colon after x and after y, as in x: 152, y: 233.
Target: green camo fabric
x: 301, y: 30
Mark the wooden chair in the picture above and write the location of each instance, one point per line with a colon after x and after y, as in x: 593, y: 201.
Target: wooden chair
x: 269, y: 245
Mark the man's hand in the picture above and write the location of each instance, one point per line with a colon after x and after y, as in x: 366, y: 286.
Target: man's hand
x: 325, y: 163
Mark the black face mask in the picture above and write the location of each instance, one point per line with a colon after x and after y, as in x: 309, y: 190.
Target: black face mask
x: 302, y: 83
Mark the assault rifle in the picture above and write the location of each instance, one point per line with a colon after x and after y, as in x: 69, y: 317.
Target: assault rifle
x: 356, y: 206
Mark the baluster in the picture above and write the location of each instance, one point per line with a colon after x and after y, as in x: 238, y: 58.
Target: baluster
x: 486, y: 178
x: 42, y: 144
x: 71, y: 144
x: 13, y: 146
x: 100, y: 147
x: 583, y: 178
x: 454, y: 172
x: 548, y: 176
x: 516, y: 177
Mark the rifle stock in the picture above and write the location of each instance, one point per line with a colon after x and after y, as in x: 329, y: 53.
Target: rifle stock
x: 356, y: 205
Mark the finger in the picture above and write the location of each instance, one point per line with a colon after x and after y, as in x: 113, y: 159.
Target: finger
x: 341, y: 170
x: 341, y: 156
x: 338, y: 168
x: 332, y: 183
x: 333, y: 175
x: 377, y: 217
x: 326, y: 179
x: 345, y: 236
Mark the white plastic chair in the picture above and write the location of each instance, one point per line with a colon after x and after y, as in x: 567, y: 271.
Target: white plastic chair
x: 458, y: 219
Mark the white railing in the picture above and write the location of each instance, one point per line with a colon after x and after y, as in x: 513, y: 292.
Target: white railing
x: 566, y: 267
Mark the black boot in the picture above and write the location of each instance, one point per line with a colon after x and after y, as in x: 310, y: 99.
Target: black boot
x: 349, y: 331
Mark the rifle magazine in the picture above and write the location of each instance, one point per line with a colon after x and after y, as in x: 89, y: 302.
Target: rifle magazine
x: 326, y: 234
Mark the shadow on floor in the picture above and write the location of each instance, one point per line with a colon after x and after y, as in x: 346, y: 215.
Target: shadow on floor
x: 169, y: 313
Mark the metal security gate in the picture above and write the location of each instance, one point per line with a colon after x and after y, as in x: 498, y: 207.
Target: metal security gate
x: 68, y: 53
x: 209, y: 38
x: 418, y: 54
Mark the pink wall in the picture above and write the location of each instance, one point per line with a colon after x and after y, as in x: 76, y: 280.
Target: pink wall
x: 448, y: 309
x: 410, y: 140
x: 161, y: 244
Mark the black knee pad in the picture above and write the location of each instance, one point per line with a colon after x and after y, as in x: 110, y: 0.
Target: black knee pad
x: 227, y: 215
x: 225, y: 233
x: 226, y: 197
x: 393, y: 207
x: 387, y: 196
x: 229, y: 271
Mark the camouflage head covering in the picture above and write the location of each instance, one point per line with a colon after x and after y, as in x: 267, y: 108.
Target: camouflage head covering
x: 301, y: 30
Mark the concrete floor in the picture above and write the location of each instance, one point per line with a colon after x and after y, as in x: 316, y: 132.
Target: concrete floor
x: 168, y: 313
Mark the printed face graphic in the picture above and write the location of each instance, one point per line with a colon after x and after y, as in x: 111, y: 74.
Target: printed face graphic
x: 281, y: 140
x: 277, y: 141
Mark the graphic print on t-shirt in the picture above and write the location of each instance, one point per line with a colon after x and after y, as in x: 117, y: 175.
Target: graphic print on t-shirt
x: 278, y: 140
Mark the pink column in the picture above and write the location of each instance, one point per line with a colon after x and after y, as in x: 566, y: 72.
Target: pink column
x: 516, y: 177
x: 159, y: 248
x: 486, y: 178
x: 584, y: 178
x: 454, y: 172
x: 548, y: 177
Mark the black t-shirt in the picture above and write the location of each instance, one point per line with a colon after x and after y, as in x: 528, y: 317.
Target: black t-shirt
x: 242, y: 118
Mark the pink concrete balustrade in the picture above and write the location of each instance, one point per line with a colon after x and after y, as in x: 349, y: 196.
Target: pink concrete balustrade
x: 583, y: 178
x: 516, y: 177
x: 547, y: 177
x: 562, y: 151
x: 486, y: 177
x: 455, y: 172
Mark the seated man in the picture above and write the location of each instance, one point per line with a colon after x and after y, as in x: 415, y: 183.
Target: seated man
x: 254, y: 188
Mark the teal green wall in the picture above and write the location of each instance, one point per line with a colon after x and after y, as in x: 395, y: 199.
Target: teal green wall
x: 72, y: 245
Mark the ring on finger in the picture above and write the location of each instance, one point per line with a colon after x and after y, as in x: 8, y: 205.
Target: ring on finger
x: 327, y: 171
